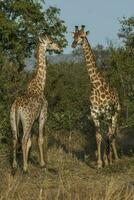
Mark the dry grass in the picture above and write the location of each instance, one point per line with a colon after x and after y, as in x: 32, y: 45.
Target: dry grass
x: 67, y: 178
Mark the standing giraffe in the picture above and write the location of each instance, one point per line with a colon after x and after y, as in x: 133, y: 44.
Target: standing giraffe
x: 32, y: 105
x: 104, y: 101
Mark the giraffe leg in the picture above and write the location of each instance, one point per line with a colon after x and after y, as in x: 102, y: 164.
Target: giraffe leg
x: 113, y: 144
x: 105, y: 155
x: 14, y: 152
x: 114, y: 150
x: 105, y: 158
x: 106, y: 150
x: 26, y: 144
x: 110, y: 155
x: 28, y: 147
x: 98, y: 139
x: 42, y: 119
x: 109, y: 144
x: 14, y: 126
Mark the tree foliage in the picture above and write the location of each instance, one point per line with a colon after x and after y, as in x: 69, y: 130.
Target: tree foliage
x: 21, y: 24
x: 68, y: 99
x: 126, y: 33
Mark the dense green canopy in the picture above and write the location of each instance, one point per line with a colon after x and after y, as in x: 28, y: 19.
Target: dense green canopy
x: 21, y: 22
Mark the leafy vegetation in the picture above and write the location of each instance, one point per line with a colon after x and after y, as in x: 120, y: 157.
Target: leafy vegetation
x: 21, y: 24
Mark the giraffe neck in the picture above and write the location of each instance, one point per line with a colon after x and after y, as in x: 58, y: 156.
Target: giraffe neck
x: 37, y: 84
x: 40, y: 52
x: 41, y: 64
x: 90, y: 62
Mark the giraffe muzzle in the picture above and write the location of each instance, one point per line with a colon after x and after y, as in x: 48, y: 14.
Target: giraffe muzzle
x: 74, y: 44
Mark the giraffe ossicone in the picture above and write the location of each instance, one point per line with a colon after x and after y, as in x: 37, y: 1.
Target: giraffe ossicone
x: 104, y: 100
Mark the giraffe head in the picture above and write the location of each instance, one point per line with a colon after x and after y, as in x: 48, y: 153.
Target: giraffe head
x: 79, y: 35
x: 48, y: 43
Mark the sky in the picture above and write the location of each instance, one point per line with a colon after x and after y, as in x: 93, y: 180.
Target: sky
x: 101, y: 18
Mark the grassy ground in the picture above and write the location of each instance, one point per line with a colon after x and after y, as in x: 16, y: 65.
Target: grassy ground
x: 66, y: 177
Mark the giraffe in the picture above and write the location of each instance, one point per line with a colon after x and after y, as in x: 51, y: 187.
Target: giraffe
x: 103, y: 99
x: 32, y: 105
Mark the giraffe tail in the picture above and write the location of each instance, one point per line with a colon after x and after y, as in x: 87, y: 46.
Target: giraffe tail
x: 13, y: 122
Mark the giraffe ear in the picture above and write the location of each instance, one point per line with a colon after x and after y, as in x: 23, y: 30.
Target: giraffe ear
x: 87, y: 32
